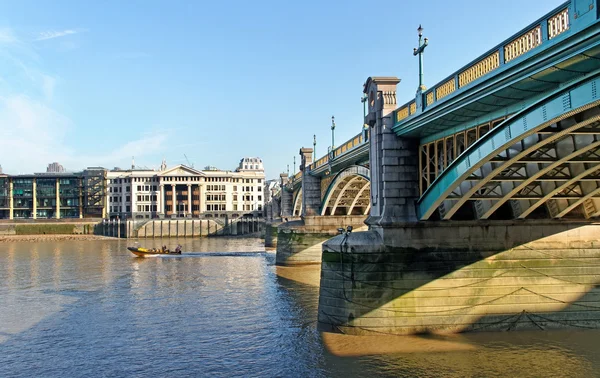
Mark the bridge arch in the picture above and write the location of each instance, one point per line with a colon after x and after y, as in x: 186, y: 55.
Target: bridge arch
x: 348, y: 193
x: 544, y: 161
x: 297, y: 205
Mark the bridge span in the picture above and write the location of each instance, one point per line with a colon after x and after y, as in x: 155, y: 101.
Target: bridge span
x: 481, y: 195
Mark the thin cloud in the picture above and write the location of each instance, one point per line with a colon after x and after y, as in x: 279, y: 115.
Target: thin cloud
x: 51, y: 34
x: 7, y: 36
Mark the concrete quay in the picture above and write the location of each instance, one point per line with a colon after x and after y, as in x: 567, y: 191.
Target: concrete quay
x: 448, y: 277
x: 161, y: 228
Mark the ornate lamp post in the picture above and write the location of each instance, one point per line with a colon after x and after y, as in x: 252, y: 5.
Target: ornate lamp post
x: 363, y: 99
x: 332, y: 133
x: 419, y: 51
x: 314, y: 147
x: 294, y: 171
x: 365, y: 129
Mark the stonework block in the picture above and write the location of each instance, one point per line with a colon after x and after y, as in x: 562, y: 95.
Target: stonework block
x: 390, y: 160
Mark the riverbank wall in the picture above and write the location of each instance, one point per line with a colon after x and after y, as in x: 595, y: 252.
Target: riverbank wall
x: 156, y: 228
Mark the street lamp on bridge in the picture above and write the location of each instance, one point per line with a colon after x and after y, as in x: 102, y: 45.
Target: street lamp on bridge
x: 294, y: 171
x: 314, y: 147
x: 419, y: 51
x: 332, y: 133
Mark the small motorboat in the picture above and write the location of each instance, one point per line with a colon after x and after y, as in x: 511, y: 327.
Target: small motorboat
x: 142, y: 252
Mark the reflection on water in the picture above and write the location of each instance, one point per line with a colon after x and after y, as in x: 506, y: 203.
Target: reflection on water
x: 223, y: 309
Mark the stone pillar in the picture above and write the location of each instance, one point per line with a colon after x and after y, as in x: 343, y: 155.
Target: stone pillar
x: 161, y: 200
x: 174, y: 201
x: 80, y: 197
x: 311, y: 185
x: 393, y: 161
x: 57, y: 214
x: 201, y: 197
x: 286, y: 197
x: 105, y: 203
x: 34, y: 195
x: 133, y: 198
x: 189, y: 200
x: 11, y: 207
x: 123, y: 204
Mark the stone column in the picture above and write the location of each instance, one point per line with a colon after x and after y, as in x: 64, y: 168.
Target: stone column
x: 133, y: 199
x: 174, y: 201
x: 57, y: 214
x: 311, y: 185
x: 34, y: 195
x: 10, y: 199
x: 105, y: 200
x: 189, y: 200
x: 201, y: 196
x: 80, y: 197
x: 161, y: 200
x: 123, y: 204
x: 393, y: 161
x: 286, y: 197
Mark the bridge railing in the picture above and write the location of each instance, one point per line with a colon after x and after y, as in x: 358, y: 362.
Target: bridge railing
x: 348, y: 146
x: 297, y: 177
x: 547, y: 31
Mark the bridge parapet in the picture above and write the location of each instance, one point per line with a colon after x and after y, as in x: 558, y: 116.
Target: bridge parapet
x: 353, y: 151
x: 562, y: 23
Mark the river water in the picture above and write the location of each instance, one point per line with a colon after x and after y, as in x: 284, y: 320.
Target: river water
x: 91, y: 309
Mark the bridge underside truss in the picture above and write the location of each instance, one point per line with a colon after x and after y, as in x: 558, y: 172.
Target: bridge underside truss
x: 546, y: 170
x: 348, y: 193
x: 297, y: 209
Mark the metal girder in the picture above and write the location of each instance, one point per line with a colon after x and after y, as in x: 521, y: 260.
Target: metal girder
x: 578, y: 172
x: 556, y: 169
x: 575, y: 103
x: 343, y: 190
x: 298, y: 204
x: 534, y: 147
x: 341, y: 177
x: 359, y: 195
x: 568, y: 187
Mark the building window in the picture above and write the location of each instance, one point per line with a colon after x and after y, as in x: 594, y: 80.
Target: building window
x: 127, y: 199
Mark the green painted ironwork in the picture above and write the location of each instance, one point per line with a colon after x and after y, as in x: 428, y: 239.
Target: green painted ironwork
x: 525, y: 47
x: 556, y: 105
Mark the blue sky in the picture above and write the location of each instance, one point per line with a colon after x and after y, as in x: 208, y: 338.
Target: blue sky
x: 91, y: 83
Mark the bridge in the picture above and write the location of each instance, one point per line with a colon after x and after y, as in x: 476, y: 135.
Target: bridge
x: 480, y: 194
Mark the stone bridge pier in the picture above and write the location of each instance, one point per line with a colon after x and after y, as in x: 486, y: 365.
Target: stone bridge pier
x: 299, y: 241
x: 407, y: 275
x: 277, y: 210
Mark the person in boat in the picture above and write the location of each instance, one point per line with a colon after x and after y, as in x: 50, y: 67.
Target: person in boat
x: 164, y: 249
x: 178, y: 249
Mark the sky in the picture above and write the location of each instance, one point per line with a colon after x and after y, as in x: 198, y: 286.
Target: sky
x: 93, y: 83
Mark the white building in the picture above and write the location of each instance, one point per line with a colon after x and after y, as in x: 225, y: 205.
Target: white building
x: 182, y: 191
